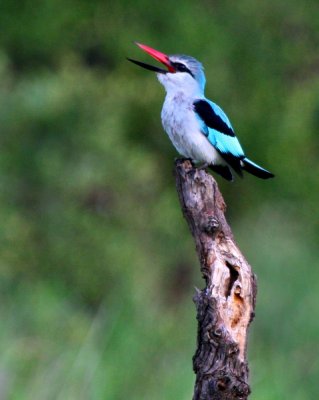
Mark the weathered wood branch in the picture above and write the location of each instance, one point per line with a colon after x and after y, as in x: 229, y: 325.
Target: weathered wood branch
x: 225, y: 307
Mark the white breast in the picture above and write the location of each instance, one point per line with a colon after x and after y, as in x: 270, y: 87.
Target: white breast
x: 183, y: 128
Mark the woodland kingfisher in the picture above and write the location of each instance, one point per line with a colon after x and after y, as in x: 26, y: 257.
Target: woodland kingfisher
x: 198, y: 128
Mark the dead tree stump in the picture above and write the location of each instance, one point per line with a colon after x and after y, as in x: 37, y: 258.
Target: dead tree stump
x: 225, y: 307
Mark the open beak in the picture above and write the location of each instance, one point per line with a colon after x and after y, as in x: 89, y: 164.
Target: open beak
x: 161, y: 57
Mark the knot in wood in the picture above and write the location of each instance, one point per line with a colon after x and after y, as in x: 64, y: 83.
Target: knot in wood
x: 241, y: 391
x: 223, y: 383
x: 218, y: 332
x: 211, y: 225
x: 233, y: 348
x: 225, y: 386
x: 237, y: 290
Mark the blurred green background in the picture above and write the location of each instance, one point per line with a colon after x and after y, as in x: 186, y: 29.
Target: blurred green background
x: 97, y: 264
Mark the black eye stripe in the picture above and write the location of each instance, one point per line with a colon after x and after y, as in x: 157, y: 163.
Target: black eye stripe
x: 181, y: 68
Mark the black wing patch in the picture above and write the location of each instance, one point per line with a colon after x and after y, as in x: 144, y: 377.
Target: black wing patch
x: 211, y: 119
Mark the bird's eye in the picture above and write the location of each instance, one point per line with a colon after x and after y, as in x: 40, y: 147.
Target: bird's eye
x: 181, y: 67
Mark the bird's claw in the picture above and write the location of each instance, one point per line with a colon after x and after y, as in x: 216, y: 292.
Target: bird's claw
x: 203, y: 166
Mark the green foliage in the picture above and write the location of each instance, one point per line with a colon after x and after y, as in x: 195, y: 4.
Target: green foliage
x: 97, y: 264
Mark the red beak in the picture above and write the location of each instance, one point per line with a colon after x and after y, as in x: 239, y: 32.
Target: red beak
x: 161, y: 57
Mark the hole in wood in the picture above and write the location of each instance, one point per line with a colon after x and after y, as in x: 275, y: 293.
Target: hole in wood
x: 233, y: 276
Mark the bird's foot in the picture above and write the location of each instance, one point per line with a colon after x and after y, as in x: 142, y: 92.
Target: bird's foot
x: 189, y: 168
x: 203, y: 166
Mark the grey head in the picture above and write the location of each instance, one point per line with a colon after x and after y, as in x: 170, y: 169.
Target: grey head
x: 189, y: 65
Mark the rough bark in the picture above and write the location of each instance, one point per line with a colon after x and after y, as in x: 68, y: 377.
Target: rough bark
x: 225, y: 307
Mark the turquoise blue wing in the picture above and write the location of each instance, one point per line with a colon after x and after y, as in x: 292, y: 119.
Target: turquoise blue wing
x: 217, y: 127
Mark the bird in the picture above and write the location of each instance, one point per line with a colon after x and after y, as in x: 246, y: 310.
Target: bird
x: 198, y: 128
